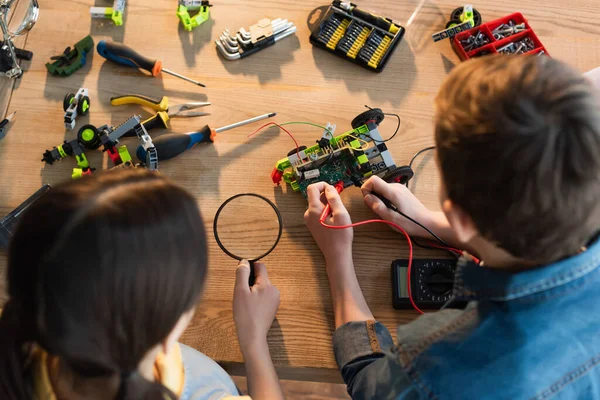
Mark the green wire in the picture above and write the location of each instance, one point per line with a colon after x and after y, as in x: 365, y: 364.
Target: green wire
x: 308, y: 123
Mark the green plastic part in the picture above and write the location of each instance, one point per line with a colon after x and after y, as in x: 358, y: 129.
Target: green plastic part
x: 71, y: 60
x: 189, y: 22
x: 117, y: 17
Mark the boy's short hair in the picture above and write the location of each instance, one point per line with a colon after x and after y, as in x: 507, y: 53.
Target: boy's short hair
x: 518, y: 141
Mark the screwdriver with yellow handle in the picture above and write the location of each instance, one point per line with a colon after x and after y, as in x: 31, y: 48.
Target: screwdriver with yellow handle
x: 173, y: 144
x: 165, y: 111
x: 124, y: 55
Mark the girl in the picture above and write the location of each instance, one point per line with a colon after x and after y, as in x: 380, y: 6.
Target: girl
x: 103, y: 276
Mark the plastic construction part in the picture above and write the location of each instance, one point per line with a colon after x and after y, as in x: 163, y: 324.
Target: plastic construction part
x: 263, y: 34
x: 183, y: 13
x: 71, y: 60
x: 9, y: 223
x: 74, y: 105
x: 115, y: 13
x: 348, y: 158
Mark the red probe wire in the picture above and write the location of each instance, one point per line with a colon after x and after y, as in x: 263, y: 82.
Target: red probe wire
x: 325, y: 214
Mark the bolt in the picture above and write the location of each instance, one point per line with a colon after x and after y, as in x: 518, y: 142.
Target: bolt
x: 506, y: 48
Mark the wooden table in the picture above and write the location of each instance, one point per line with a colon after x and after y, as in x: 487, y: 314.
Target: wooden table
x: 298, y: 81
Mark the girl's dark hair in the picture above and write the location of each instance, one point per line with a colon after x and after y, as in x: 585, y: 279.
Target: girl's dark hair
x: 100, y: 270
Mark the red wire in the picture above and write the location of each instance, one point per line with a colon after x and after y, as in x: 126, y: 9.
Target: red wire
x: 283, y: 129
x: 325, y: 214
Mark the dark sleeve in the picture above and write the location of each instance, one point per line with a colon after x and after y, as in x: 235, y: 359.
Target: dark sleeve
x: 363, y: 354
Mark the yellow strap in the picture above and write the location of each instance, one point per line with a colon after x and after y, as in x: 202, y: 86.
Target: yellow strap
x: 156, y: 105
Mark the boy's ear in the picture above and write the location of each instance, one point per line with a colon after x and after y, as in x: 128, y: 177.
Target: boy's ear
x: 462, y: 224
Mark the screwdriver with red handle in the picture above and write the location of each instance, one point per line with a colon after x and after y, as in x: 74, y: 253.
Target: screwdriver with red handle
x: 125, y: 55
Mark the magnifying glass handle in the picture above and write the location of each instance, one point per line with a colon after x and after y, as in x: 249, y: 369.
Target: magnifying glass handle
x: 252, y: 277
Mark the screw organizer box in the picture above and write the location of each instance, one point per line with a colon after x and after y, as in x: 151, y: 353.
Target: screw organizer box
x: 356, y: 40
x: 508, y: 35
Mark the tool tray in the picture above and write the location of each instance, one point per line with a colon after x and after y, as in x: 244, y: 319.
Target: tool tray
x: 492, y: 48
x: 354, y: 39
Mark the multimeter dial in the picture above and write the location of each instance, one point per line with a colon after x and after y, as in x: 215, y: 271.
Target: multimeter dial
x: 435, y: 279
x: 431, y: 282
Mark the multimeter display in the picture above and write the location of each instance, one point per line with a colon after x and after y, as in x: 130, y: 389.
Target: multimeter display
x: 432, y: 281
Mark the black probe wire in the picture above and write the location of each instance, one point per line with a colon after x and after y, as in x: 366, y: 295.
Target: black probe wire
x: 395, y: 132
x: 417, y: 154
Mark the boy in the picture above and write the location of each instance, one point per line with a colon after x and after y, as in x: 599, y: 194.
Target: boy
x: 518, y: 149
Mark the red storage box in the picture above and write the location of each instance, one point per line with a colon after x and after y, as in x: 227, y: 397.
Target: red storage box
x: 494, y: 44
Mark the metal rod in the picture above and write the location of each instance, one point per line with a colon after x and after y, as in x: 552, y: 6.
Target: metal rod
x: 185, y: 78
x: 245, y: 122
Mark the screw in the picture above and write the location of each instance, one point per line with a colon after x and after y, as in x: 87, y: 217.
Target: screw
x: 506, y: 48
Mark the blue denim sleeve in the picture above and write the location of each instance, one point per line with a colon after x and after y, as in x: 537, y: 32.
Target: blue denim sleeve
x: 363, y: 354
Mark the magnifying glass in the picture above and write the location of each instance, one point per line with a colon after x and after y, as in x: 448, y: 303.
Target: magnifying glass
x: 248, y: 226
x: 17, y: 17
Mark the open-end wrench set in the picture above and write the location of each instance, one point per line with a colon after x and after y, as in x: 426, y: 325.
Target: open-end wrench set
x: 355, y: 35
x: 508, y: 35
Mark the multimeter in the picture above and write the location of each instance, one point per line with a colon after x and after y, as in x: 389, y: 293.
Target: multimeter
x: 431, y: 282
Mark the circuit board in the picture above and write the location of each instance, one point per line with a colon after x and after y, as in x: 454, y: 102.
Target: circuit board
x: 349, y: 158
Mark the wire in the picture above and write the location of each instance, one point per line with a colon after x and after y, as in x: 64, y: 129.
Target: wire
x: 325, y: 214
x: 362, y: 147
x: 308, y: 123
x: 283, y: 129
x: 412, y: 160
x: 395, y: 132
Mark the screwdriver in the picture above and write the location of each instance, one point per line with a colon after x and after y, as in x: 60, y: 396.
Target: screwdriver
x: 172, y: 144
x: 5, y: 122
x: 124, y: 55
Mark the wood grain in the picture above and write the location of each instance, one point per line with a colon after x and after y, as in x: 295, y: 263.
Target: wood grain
x: 298, y: 81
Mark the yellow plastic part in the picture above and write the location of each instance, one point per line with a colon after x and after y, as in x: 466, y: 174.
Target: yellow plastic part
x: 368, y: 174
x: 82, y: 161
x: 295, y: 186
x: 338, y: 34
x: 61, y: 151
x: 358, y: 43
x: 124, y: 154
x: 381, y: 49
x: 355, y: 144
x: 362, y: 159
x: 77, y: 173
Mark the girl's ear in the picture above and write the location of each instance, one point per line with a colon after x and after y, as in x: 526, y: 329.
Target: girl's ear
x: 180, y: 327
x: 461, y: 222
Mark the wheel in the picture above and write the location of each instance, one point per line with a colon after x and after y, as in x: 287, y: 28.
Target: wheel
x: 399, y: 175
x: 455, y: 15
x: 298, y: 150
x: 89, y: 137
x: 453, y: 22
x: 374, y: 114
x: 68, y: 100
x: 83, y: 106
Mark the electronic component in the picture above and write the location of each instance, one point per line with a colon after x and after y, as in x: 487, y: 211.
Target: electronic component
x: 114, y: 13
x: 348, y: 158
x: 357, y: 36
x: 431, y: 281
x: 74, y: 105
x: 9, y: 223
x: 261, y: 35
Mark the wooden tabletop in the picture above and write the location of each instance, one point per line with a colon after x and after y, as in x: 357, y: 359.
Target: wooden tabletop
x: 299, y: 82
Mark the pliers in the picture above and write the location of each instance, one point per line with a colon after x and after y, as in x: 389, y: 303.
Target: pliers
x: 165, y: 112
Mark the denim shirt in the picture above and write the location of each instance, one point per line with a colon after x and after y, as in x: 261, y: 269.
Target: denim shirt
x: 528, y: 335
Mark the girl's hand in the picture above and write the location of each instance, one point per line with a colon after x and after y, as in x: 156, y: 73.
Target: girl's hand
x: 254, y: 308
x: 335, y: 244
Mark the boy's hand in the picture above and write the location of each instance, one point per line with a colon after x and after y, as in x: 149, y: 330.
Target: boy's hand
x: 402, y: 198
x: 254, y: 308
x: 335, y: 244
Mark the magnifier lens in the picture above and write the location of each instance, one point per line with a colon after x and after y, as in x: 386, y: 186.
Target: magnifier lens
x: 22, y: 16
x: 248, y: 227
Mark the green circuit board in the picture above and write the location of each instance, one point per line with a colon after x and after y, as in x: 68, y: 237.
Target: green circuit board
x: 342, y: 166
